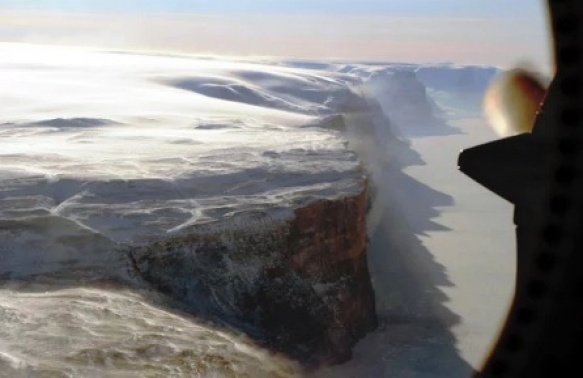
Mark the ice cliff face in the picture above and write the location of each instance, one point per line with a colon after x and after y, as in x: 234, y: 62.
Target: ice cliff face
x: 450, y: 77
x: 228, y: 186
x: 239, y: 190
x: 403, y: 96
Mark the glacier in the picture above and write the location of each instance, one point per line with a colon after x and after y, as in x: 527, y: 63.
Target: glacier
x: 104, y: 152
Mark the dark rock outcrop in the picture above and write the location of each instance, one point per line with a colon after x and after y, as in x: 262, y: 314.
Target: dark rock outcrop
x: 298, y: 284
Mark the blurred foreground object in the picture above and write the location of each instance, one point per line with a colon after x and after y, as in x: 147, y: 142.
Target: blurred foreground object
x: 516, y: 167
x: 513, y: 167
x: 512, y: 101
x: 510, y: 166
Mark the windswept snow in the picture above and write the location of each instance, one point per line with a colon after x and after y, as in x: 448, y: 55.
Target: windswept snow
x: 102, y: 149
x: 142, y: 146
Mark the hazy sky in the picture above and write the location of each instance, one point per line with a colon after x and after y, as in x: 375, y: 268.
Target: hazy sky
x: 498, y: 32
x: 490, y: 8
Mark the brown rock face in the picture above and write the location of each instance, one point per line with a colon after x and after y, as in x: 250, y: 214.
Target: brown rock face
x: 298, y: 284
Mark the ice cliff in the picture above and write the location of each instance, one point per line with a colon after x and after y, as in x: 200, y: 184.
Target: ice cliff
x: 238, y: 189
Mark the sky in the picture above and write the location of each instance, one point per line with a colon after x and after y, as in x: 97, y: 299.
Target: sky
x: 490, y: 8
x: 492, y: 32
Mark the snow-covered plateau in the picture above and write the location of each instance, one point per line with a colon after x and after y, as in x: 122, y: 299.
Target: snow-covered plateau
x: 117, y: 167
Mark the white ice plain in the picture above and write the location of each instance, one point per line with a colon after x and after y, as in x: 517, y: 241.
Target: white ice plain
x: 210, y: 138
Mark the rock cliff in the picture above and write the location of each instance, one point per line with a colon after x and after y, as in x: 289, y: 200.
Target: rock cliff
x: 298, y: 284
